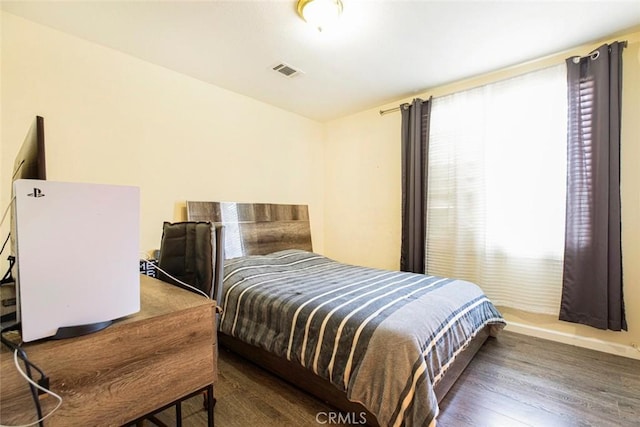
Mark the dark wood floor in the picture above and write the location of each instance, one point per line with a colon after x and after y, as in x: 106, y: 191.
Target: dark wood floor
x: 521, y: 381
x: 513, y: 381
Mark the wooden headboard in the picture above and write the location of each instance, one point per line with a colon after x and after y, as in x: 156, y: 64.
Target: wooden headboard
x: 256, y: 228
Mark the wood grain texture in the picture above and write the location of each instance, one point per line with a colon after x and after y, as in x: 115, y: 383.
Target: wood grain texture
x: 520, y: 380
x: 139, y: 363
x: 256, y: 228
x: 513, y: 381
x: 245, y: 212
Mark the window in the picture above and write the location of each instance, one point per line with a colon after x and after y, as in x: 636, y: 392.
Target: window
x: 496, y: 190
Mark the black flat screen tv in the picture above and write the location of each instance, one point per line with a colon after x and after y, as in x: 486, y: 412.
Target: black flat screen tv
x: 30, y: 161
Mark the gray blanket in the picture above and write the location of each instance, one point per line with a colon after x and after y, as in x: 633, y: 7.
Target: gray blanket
x: 384, y: 337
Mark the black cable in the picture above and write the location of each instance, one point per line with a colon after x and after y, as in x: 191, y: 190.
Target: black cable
x: 5, y: 243
x: 8, y: 277
x: 28, y: 365
x: 21, y: 352
x: 34, y: 390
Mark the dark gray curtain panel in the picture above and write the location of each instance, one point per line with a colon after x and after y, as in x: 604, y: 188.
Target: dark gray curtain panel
x: 415, y: 148
x: 592, y: 277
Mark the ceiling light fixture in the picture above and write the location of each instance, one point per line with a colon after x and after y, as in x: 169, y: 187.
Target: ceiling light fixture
x: 320, y: 13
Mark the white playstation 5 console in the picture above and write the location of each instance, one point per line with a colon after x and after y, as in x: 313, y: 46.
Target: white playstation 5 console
x: 77, y: 251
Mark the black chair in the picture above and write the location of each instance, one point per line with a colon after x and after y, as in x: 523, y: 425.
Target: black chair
x: 193, y: 253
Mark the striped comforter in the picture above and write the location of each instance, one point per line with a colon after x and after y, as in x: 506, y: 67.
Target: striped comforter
x: 384, y: 337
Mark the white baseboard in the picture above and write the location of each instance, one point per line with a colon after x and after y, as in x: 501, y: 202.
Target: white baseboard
x: 565, y: 338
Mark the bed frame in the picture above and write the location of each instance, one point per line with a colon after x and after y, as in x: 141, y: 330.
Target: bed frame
x: 257, y: 229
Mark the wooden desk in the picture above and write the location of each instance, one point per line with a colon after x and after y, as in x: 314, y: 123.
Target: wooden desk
x: 109, y: 378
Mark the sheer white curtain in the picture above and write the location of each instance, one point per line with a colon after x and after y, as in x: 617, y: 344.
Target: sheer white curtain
x: 497, y: 180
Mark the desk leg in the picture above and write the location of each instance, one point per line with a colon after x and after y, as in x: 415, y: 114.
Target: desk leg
x: 211, y: 402
x: 179, y: 414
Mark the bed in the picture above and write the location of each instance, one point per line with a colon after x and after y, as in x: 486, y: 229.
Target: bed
x: 378, y: 345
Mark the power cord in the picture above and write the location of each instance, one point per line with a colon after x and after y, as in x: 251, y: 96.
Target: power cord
x: 7, y: 278
x: 36, y: 388
x: 33, y: 384
x: 5, y: 242
x: 150, y: 264
x: 6, y: 210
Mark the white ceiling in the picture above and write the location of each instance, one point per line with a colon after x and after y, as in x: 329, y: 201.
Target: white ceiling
x: 381, y: 51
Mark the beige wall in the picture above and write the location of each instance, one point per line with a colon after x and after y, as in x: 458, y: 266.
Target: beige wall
x: 363, y: 196
x: 110, y: 118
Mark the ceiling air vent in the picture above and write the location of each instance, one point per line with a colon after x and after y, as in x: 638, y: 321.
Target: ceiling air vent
x: 286, y: 70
